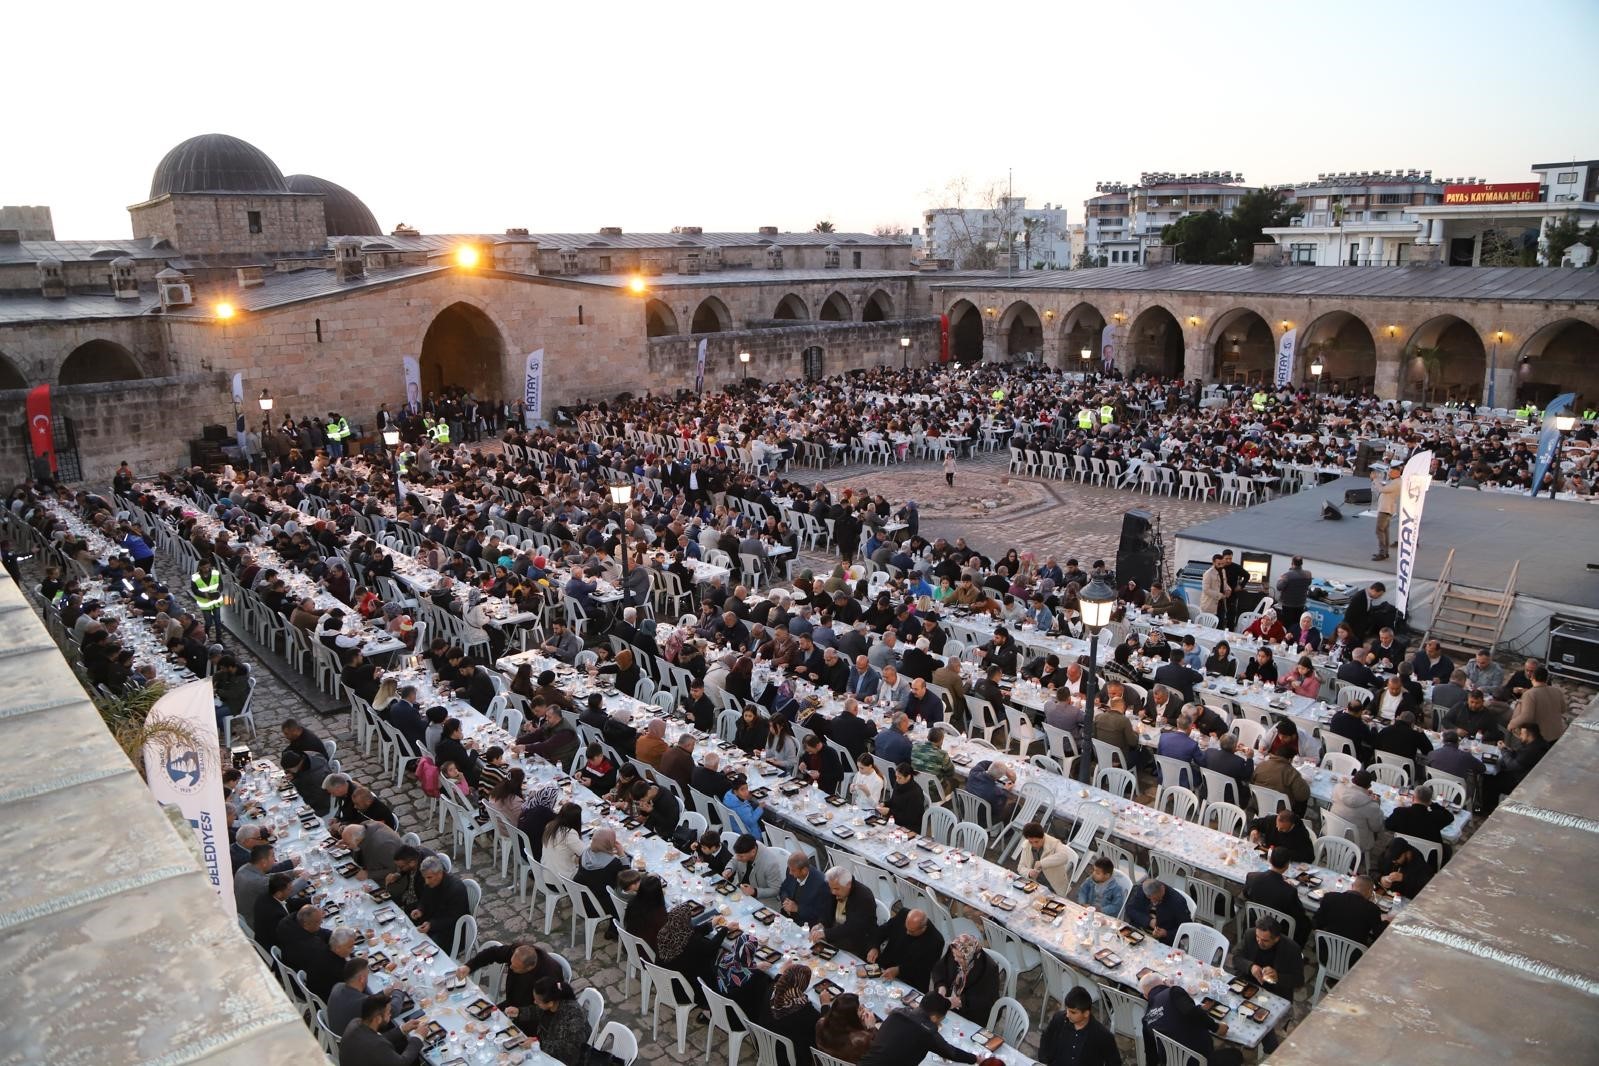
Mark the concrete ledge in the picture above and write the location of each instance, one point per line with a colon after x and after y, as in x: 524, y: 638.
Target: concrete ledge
x: 116, y: 948
x: 1495, y: 960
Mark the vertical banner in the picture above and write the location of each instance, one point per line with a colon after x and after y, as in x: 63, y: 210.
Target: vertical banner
x: 413, y: 383
x: 1549, y: 439
x: 1412, y: 494
x: 1107, y: 346
x: 41, y: 427
x: 533, y: 387
x: 943, y: 338
x: 699, y: 367
x: 1285, y: 357
x: 190, y: 777
x: 238, y: 388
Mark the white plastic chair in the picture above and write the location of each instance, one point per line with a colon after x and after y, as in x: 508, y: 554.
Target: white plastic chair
x: 619, y: 1040
x: 1338, y: 854
x: 1008, y: 1020
x: 1176, y: 1054
x: 593, y: 1004
x: 1126, y: 1015
x: 1339, y: 763
x: 1336, y: 955
x: 1201, y: 941
x: 1116, y: 781
x: 767, y: 1044
x: 1179, y: 801
x: 672, y: 990
x: 726, y: 1017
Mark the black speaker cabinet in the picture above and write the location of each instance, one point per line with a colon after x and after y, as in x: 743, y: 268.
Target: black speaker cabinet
x: 1139, y: 566
x: 1138, y: 534
x: 1574, y: 651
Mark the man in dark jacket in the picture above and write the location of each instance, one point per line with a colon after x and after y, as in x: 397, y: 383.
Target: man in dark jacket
x: 1404, y: 869
x: 1269, y: 957
x: 820, y: 764
x: 1422, y: 819
x: 1174, y: 675
x: 1271, y: 888
x: 305, y: 945
x: 907, y: 948
x: 1352, y: 914
x: 853, y: 914
x: 849, y: 730
x: 1157, y: 909
x: 1403, y: 738
x: 1293, y: 588
x: 374, y: 1040
x: 1283, y: 829
x: 708, y: 779
x: 907, y: 802
x: 804, y: 895
x: 909, y: 1034
x: 476, y: 687
x: 307, y: 773
x: 525, y: 963
x: 1173, y: 1013
x: 441, y: 902
x: 1074, y: 1037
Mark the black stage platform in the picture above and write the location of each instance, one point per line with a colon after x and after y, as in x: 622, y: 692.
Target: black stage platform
x: 1489, y: 531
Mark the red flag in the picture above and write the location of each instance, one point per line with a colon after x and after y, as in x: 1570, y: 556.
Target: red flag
x: 943, y: 338
x: 40, y: 426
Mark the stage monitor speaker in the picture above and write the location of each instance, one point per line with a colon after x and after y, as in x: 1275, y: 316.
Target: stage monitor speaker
x: 1138, y: 534
x: 1330, y: 512
x: 1140, y: 566
x: 1357, y: 496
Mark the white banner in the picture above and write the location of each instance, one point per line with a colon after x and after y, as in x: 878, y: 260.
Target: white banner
x: 1107, y: 345
x: 699, y: 367
x: 238, y: 388
x: 191, y: 777
x: 1412, y: 494
x: 412, y: 370
x: 533, y: 387
x: 1285, y: 357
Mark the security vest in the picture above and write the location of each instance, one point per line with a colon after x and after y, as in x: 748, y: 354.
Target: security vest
x: 1107, y: 414
x: 440, y: 433
x: 207, y: 592
x: 1588, y: 414
x: 1258, y: 401
x: 1085, y: 419
x: 998, y: 394
x: 339, y: 431
x: 404, y: 461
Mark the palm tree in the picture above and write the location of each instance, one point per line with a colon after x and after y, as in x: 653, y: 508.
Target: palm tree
x: 1432, y: 367
x: 823, y: 226
x: 127, y: 717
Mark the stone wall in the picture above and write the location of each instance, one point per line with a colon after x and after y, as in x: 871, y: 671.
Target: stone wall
x: 795, y: 257
x: 37, y: 350
x: 217, y: 224
x: 750, y: 301
x: 149, y: 423
x: 778, y: 353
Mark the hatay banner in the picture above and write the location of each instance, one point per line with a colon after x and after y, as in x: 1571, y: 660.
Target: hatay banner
x: 1107, y: 346
x: 1549, y: 439
x: 189, y: 776
x: 238, y: 388
x: 699, y: 367
x: 1413, y: 485
x: 1286, y: 347
x: 533, y: 388
x: 413, y: 383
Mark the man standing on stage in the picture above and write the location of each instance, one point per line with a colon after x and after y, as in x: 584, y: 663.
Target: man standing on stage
x: 1387, y: 507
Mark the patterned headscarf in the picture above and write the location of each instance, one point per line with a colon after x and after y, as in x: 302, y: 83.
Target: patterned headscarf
x: 546, y: 798
x: 675, y: 934
x: 736, y: 964
x: 966, y: 949
x: 788, y: 991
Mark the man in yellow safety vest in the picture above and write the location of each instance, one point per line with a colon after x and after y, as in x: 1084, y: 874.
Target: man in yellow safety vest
x: 207, y: 594
x: 440, y: 433
x: 1085, y: 419
x: 1107, y: 414
x: 338, y: 433
x: 1258, y: 401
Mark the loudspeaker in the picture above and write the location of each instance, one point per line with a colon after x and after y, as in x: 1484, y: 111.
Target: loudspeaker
x: 1357, y: 496
x: 1138, y: 535
x: 1365, y: 451
x: 1330, y: 512
x: 214, y: 432
x: 1140, y: 566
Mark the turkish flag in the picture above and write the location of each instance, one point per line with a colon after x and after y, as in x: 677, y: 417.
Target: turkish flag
x: 41, y: 429
x: 943, y: 338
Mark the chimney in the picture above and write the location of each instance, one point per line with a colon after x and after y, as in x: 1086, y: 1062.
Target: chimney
x: 691, y: 231
x: 124, y: 283
x: 774, y: 257
x: 347, y: 261
x: 610, y: 231
x: 689, y: 264
x: 52, y: 282
x: 768, y: 231
x: 1160, y: 255
x: 1267, y: 254
x: 251, y: 277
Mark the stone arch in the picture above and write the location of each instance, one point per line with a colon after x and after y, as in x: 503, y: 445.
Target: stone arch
x: 1461, y: 367
x: 10, y: 376
x: 836, y: 308
x: 1082, y: 327
x: 711, y: 316
x: 1242, y: 347
x: 791, y: 307
x: 1347, y: 348
x: 879, y: 307
x: 1559, y: 358
x: 1022, y: 329
x: 96, y: 361
x: 462, y: 348
x: 965, y: 332
x: 1154, y: 343
x: 659, y: 319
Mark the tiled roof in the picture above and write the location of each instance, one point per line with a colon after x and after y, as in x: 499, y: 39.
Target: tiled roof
x: 32, y: 307
x: 277, y: 290
x: 741, y: 277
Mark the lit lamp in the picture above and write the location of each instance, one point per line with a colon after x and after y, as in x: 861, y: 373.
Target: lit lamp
x: 1087, y: 353
x: 744, y: 362
x: 622, y: 495
x: 1315, y: 372
x: 636, y: 285
x: 1563, y: 424
x: 224, y: 310
x: 266, y: 411
x: 1095, y: 603
x: 391, y: 437
x: 904, y: 353
x: 466, y: 256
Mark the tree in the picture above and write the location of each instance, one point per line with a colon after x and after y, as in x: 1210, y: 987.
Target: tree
x: 973, y: 230
x: 888, y: 229
x: 1087, y: 260
x: 823, y: 226
x: 1206, y: 237
x: 1565, y: 232
x: 1257, y: 211
x: 1506, y: 248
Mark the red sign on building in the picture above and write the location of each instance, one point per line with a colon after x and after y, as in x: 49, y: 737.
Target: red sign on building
x: 1515, y: 192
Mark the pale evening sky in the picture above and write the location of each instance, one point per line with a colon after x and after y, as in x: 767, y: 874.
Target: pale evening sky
x: 477, y: 117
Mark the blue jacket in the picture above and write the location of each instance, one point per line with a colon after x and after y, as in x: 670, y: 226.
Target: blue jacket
x: 863, y: 687
x: 747, y: 813
x: 893, y: 745
x: 1175, y: 745
x: 1106, y: 898
x: 1171, y: 913
x: 813, y: 898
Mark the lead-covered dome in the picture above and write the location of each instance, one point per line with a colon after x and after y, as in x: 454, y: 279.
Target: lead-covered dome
x: 216, y: 162
x: 345, y: 213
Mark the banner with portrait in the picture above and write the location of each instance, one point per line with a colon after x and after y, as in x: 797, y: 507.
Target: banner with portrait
x: 1107, y: 346
x: 189, y: 776
x: 412, y: 370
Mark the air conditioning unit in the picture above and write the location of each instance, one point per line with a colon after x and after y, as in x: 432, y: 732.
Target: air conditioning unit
x: 176, y: 294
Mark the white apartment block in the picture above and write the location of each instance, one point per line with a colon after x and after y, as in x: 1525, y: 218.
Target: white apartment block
x: 1124, y: 221
x: 1037, y: 237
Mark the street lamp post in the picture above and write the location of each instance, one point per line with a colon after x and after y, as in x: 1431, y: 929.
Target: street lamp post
x: 265, y: 401
x: 391, y: 437
x: 744, y: 372
x: 1563, y: 424
x: 904, y: 353
x: 1315, y: 372
x: 622, y: 495
x: 1095, y: 602
x: 1493, y: 369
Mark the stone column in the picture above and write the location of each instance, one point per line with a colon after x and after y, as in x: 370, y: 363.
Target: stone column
x: 1051, y: 352
x: 1196, y: 359
x: 1390, y: 353
x: 1499, y: 376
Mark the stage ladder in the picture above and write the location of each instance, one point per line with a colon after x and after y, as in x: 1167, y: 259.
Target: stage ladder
x: 1465, y: 620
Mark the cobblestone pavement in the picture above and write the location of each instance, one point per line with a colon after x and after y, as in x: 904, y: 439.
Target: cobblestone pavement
x: 1046, y: 517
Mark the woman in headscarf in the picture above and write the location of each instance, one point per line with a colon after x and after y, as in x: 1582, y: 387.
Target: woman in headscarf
x: 845, y: 1029
x: 967, y: 977
x: 598, y: 867
x: 537, y: 813
x: 789, y: 1013
x: 737, y: 976
x: 627, y: 672
x: 684, y: 947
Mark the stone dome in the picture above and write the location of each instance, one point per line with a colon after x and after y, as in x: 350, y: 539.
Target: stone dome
x: 345, y: 213
x: 215, y: 162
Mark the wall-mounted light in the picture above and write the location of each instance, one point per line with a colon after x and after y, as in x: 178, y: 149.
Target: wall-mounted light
x: 635, y: 285
x: 990, y: 312
x: 744, y: 357
x: 1193, y: 320
x: 224, y: 310
x: 1284, y: 324
x: 1119, y: 316
x: 1499, y: 336
x: 466, y: 257
x: 1049, y: 315
x: 1393, y: 331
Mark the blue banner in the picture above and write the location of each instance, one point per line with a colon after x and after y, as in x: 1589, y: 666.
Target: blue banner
x: 1549, y: 439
